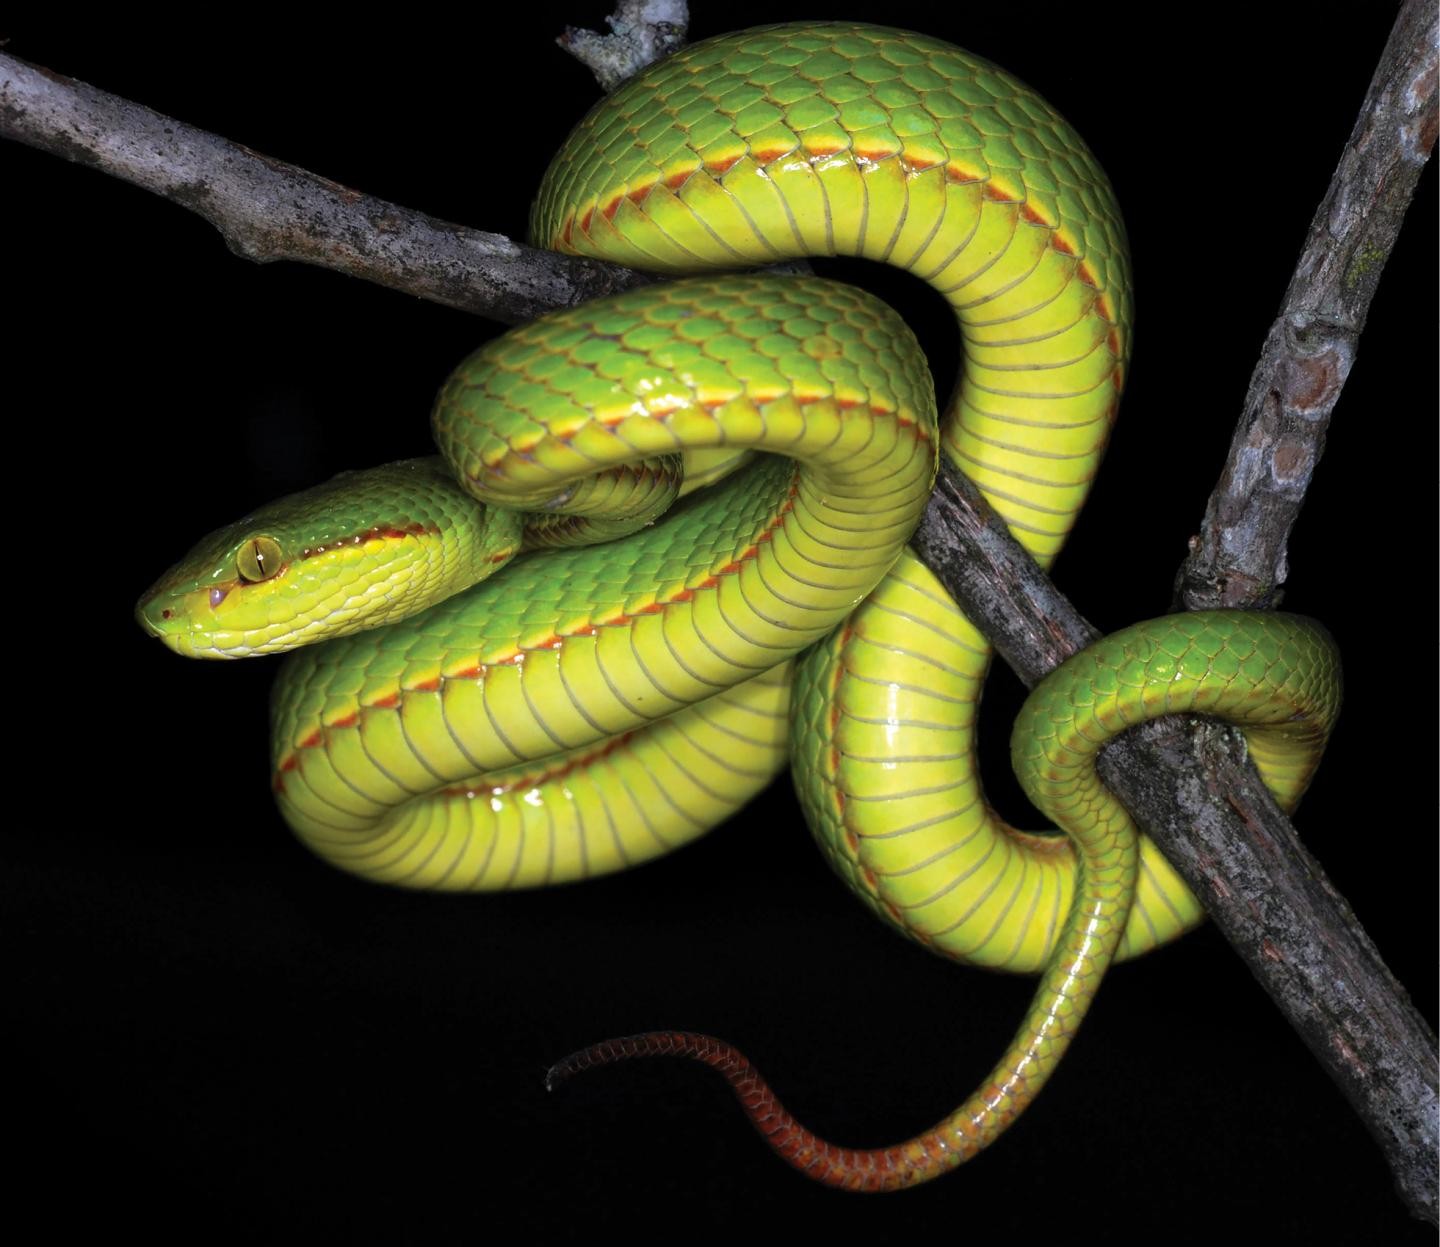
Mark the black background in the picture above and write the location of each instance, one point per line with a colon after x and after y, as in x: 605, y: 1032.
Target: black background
x: 218, y: 1031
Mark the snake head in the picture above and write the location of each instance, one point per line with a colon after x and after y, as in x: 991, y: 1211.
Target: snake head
x: 362, y: 550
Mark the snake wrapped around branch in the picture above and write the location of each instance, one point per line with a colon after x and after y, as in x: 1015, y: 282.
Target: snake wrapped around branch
x: 646, y: 618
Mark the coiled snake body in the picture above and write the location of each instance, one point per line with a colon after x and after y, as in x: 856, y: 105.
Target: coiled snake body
x: 594, y: 706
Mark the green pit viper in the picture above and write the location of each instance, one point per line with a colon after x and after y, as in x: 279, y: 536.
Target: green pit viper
x: 594, y: 705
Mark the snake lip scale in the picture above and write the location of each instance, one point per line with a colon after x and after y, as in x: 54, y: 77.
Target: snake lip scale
x: 500, y: 704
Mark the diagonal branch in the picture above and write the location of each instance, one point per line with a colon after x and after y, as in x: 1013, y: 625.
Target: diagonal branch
x: 1239, y: 558
x: 1189, y: 788
x: 269, y: 210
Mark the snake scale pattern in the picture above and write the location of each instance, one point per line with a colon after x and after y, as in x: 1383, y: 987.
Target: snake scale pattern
x: 589, y: 706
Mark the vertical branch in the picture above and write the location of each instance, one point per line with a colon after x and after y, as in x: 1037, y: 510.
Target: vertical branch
x: 1239, y: 558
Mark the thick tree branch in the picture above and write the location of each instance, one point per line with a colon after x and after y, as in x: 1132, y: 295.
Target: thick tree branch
x: 1189, y: 787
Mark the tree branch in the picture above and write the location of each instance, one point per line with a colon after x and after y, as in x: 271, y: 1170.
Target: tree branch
x: 1190, y: 788
x: 1239, y: 557
x: 269, y: 210
x: 1182, y: 784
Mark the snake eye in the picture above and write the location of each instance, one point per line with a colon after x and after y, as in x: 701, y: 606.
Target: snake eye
x: 259, y: 558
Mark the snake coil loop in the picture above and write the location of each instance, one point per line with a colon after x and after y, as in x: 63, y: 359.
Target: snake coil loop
x: 590, y: 707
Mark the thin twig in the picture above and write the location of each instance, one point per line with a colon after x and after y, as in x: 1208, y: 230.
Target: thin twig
x: 644, y: 32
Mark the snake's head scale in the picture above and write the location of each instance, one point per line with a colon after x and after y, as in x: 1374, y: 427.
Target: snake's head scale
x: 203, y: 608
x: 362, y: 550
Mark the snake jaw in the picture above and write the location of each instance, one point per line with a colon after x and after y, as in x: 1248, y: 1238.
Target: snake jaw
x: 184, y: 619
x: 204, y: 607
